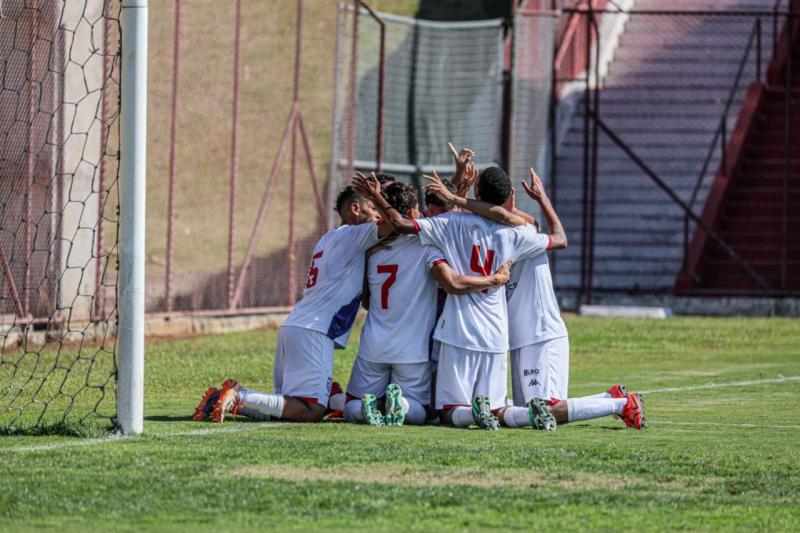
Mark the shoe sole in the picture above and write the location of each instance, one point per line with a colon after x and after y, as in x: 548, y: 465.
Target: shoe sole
x: 540, y: 416
x: 395, y: 416
x: 220, y: 408
x: 200, y: 410
x: 371, y: 415
x: 481, y: 412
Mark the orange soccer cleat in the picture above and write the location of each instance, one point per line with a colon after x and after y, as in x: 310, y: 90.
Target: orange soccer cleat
x: 227, y: 403
x: 203, y: 410
x: 633, y: 412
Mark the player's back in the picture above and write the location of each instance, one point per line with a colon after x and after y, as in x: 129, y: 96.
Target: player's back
x: 335, y: 281
x: 402, y: 305
x: 476, y: 246
x: 533, y: 312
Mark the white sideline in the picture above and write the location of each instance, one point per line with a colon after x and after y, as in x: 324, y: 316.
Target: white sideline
x: 192, y: 432
x: 723, y: 424
x: 713, y: 385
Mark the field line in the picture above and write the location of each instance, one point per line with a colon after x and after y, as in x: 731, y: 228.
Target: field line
x: 723, y: 424
x: 712, y: 385
x: 109, y: 440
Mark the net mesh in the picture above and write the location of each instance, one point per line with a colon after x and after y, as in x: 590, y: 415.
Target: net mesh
x: 59, y: 109
x: 443, y: 83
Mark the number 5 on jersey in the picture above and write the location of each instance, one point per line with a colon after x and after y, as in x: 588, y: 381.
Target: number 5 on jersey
x: 313, y: 272
x: 387, y: 284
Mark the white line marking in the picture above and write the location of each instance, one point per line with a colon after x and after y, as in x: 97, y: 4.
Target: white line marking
x: 759, y: 426
x: 187, y: 433
x: 712, y: 385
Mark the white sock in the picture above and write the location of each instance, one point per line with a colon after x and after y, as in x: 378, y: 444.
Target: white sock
x: 588, y: 408
x: 337, y: 401
x: 516, y: 417
x: 252, y: 413
x: 352, y: 412
x: 415, y: 412
x: 261, y: 402
x: 462, y: 417
x: 605, y: 394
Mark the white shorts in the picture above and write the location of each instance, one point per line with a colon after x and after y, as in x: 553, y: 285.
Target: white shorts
x: 372, y: 378
x: 463, y: 374
x: 540, y: 370
x: 303, y: 364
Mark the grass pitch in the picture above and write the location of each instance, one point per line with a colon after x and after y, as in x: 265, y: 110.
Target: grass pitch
x: 717, y: 455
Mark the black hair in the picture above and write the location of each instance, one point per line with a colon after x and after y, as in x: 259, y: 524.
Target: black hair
x: 386, y: 179
x: 432, y: 199
x: 401, y: 196
x: 345, y: 198
x: 494, y: 186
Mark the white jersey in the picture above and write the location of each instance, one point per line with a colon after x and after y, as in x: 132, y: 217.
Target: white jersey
x: 533, y: 314
x: 335, y: 282
x: 402, y: 302
x: 478, y: 321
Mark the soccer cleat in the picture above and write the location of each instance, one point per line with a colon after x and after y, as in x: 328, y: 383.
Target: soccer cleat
x: 482, y: 413
x: 540, y: 416
x: 633, y: 412
x: 203, y: 410
x: 618, y: 391
x: 227, y: 403
x: 395, y: 416
x: 370, y: 412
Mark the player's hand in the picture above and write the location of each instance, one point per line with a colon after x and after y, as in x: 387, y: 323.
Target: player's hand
x: 535, y: 190
x: 462, y: 157
x: 368, y: 187
x: 470, y: 177
x: 501, y: 275
x: 438, y: 188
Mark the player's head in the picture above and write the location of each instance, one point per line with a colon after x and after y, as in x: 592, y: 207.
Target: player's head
x: 354, y: 208
x: 493, y: 186
x: 437, y: 206
x: 386, y: 180
x: 403, y: 198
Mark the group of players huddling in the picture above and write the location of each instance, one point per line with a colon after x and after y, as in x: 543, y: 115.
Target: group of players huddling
x: 427, y: 356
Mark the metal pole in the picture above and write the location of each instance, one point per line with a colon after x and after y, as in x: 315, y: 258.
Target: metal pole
x: 26, y: 284
x: 234, y: 154
x: 133, y: 187
x: 596, y: 110
x: 381, y: 82
x: 292, y: 263
x: 173, y: 139
x: 552, y: 116
x: 786, y: 147
x: 352, y: 115
x: 585, y: 193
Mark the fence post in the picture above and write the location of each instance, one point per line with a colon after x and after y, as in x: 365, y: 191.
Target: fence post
x: 234, y: 155
x: 173, y: 139
x: 133, y: 187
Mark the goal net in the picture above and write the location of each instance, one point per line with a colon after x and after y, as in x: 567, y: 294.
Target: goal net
x: 59, y: 111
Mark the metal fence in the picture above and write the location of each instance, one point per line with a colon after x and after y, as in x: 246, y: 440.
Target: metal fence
x: 651, y: 130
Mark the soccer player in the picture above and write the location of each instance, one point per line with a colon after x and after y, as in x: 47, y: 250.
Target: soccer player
x: 393, y: 358
x: 473, y: 329
x: 540, y: 348
x: 320, y: 322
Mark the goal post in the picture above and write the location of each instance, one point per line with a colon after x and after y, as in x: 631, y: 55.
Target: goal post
x: 133, y: 179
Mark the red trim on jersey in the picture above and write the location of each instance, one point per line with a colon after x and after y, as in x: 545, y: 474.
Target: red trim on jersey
x: 549, y: 242
x: 416, y: 225
x: 439, y: 261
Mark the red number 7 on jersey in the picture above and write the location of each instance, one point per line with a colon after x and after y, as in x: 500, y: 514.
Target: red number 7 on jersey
x: 392, y: 271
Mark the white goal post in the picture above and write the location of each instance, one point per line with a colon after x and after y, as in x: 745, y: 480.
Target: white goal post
x: 133, y: 157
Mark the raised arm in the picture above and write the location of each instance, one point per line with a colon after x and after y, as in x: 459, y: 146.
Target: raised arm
x: 492, y: 212
x: 454, y: 283
x: 461, y: 158
x: 371, y: 188
x: 558, y: 237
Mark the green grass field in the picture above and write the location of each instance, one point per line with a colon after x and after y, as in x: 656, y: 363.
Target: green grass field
x: 716, y: 455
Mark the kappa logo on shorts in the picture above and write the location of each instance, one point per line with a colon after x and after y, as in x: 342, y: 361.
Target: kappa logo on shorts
x: 530, y: 372
x: 534, y: 382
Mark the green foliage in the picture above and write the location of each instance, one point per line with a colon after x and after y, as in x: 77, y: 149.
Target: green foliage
x: 713, y: 458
